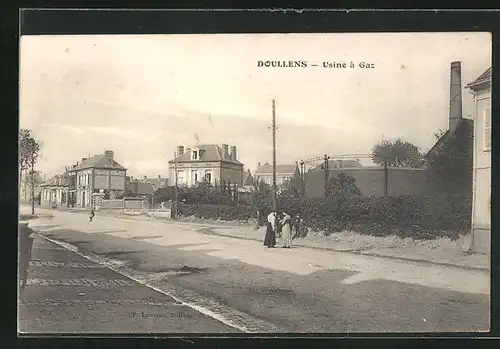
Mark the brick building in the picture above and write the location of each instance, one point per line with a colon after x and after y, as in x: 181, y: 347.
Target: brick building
x: 99, y: 172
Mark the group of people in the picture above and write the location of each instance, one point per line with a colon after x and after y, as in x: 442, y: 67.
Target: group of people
x: 281, y: 224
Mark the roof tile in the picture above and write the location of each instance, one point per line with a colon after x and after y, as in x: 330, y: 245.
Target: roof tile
x: 209, y: 153
x: 98, y: 161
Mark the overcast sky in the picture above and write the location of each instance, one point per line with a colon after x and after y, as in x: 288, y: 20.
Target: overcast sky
x: 141, y: 96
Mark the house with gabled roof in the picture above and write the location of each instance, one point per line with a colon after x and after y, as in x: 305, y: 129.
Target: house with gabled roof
x: 283, y: 173
x: 248, y: 180
x: 155, y: 183
x: 99, y: 173
x: 144, y: 186
x: 55, y: 191
x: 210, y: 162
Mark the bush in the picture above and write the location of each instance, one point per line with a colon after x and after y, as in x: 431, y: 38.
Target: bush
x: 224, y: 212
x: 404, y: 216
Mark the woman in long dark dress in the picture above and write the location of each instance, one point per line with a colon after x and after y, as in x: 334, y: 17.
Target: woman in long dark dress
x: 270, y: 238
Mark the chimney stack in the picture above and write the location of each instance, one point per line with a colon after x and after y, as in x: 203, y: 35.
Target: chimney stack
x: 83, y: 159
x: 455, y: 95
x: 145, y: 177
x: 159, y: 177
x: 109, y: 154
x: 225, y: 151
x: 233, y: 153
x: 180, y: 150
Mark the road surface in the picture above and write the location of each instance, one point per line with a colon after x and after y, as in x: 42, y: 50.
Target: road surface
x: 249, y: 288
x: 67, y: 293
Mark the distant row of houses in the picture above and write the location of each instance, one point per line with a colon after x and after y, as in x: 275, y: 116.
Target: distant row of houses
x: 210, y: 163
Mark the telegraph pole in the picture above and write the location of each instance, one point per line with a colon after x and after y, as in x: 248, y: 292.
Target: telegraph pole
x: 326, y: 174
x: 302, y: 179
x: 176, y: 203
x: 386, y: 178
x: 275, y: 201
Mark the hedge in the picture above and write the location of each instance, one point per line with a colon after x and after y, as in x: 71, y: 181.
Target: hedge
x: 224, y: 212
x: 404, y: 216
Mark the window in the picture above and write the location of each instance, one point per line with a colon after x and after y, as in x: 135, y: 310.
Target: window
x: 195, y: 155
x: 487, y: 129
x: 208, y: 176
x: 180, y: 176
x: 194, y: 176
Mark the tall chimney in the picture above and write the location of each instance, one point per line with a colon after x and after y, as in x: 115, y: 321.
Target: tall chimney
x: 225, y: 151
x: 455, y: 95
x: 180, y: 150
x: 233, y: 153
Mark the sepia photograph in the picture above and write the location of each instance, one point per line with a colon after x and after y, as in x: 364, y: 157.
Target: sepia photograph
x: 254, y: 183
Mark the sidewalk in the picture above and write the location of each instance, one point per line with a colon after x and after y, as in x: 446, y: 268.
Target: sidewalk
x: 439, y: 252
x: 67, y: 293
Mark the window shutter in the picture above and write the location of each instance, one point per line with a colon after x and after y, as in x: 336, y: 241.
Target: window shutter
x: 487, y: 129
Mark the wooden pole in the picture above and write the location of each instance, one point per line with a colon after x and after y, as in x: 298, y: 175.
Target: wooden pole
x: 302, y: 178
x: 386, y: 178
x: 32, y: 187
x: 327, y: 158
x: 176, y: 203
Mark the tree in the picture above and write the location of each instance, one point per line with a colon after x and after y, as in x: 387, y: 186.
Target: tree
x: 216, y: 193
x: 235, y: 193
x: 201, y: 192
x: 126, y: 193
x: 397, y: 153
x: 29, y: 151
x: 450, y: 166
x: 343, y: 185
x: 289, y: 188
x: 261, y: 195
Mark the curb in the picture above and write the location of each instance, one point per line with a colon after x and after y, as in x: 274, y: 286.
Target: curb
x: 419, y: 261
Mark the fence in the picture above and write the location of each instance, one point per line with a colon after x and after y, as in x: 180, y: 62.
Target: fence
x: 373, y: 181
x: 112, y: 205
x: 134, y: 205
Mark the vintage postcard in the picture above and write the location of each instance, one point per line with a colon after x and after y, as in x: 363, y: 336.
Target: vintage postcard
x: 255, y: 183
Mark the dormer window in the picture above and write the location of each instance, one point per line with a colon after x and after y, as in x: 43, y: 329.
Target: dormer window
x: 195, y: 154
